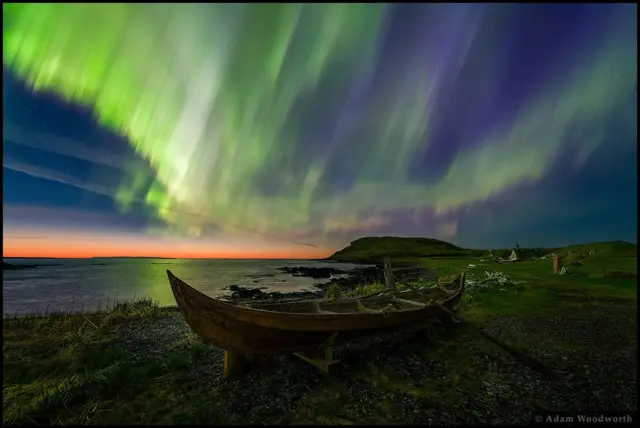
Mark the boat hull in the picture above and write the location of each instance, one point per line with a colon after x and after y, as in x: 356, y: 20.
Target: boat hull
x: 248, y: 331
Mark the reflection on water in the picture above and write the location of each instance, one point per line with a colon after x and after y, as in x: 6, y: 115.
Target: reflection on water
x: 72, y: 284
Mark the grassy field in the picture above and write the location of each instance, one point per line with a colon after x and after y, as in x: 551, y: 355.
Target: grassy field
x: 138, y: 363
x: 374, y: 249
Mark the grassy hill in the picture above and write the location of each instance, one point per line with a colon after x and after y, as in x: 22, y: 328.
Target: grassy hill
x: 374, y: 249
x: 612, y: 258
x: 601, y: 250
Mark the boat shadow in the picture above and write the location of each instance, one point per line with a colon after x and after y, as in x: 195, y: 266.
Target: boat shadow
x: 279, y: 382
x: 389, y: 348
x: 392, y: 347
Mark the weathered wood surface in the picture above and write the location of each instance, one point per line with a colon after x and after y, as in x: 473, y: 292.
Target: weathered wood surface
x: 322, y: 357
x: 303, y: 326
x: 389, y: 279
x: 235, y: 364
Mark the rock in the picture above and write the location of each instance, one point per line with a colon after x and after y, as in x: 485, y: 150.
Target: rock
x: 253, y: 294
x: 321, y: 272
x: 244, y: 293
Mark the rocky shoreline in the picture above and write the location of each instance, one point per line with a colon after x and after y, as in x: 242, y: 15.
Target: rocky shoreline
x: 347, y: 279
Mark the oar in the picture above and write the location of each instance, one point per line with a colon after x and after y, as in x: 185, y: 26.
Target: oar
x: 520, y: 357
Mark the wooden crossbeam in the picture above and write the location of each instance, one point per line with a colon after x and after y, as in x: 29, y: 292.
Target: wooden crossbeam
x: 396, y: 304
x: 323, y: 363
x: 322, y: 357
x: 363, y: 308
x: 409, y: 302
x: 329, y: 342
x: 320, y: 310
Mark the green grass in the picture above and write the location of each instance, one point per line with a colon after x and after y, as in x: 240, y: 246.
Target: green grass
x: 536, y: 295
x: 541, y: 294
x: 57, y: 364
x: 374, y: 249
x: 602, y: 250
x: 71, y: 369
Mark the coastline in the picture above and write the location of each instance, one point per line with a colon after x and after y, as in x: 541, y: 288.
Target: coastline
x: 417, y: 376
x: 28, y: 285
x: 140, y: 363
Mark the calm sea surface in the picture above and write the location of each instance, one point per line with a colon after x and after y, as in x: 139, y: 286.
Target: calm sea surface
x: 73, y: 284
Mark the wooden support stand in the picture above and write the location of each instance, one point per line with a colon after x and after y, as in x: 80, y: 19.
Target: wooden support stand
x: 322, y: 357
x: 316, y: 359
x: 235, y: 364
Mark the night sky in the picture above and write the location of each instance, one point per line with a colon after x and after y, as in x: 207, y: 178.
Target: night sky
x: 209, y: 130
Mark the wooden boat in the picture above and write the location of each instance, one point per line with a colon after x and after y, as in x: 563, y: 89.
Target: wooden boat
x: 306, y: 328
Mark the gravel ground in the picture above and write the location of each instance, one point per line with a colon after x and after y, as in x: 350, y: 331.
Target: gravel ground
x: 592, y: 348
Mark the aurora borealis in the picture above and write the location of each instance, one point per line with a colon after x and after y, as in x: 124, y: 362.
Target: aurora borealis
x: 304, y: 126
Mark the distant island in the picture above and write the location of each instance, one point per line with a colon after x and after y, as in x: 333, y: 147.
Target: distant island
x: 9, y: 266
x: 30, y: 258
x: 21, y: 266
x: 134, y: 257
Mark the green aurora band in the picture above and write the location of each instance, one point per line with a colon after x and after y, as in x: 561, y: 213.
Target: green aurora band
x: 206, y: 94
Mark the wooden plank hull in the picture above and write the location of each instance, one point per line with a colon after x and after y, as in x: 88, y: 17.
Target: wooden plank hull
x: 246, y: 330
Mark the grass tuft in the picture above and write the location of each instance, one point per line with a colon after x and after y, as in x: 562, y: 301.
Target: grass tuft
x: 56, y: 361
x: 334, y: 291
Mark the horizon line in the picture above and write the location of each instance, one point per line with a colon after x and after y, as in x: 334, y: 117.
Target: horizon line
x: 164, y: 258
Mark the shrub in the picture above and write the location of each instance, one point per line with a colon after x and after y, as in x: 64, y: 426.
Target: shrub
x: 334, y: 291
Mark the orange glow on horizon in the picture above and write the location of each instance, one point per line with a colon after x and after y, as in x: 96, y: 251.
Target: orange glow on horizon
x: 78, y: 244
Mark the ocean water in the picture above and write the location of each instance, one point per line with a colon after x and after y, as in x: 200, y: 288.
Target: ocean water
x: 89, y: 284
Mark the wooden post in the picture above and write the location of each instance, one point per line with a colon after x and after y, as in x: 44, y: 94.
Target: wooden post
x: 556, y: 266
x: 235, y: 364
x: 388, y: 274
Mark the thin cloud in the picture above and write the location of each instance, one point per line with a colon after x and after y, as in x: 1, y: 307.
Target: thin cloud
x: 14, y: 134
x: 305, y: 244
x: 58, y: 177
x: 25, y: 237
